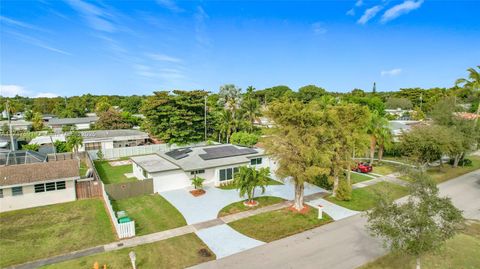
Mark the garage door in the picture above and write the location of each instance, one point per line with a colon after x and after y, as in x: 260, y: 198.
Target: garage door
x: 170, y: 180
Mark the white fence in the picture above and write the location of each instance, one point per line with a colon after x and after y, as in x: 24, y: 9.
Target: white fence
x: 124, y: 230
x: 116, y: 153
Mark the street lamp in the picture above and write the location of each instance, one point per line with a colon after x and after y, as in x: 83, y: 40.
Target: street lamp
x: 133, y: 257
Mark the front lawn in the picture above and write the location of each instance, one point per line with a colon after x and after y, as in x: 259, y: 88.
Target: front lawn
x: 448, y: 172
x: 462, y: 251
x: 384, y: 168
x: 151, y: 213
x: 355, y: 178
x: 365, y: 198
x: 41, y: 232
x: 113, y: 174
x: 232, y: 186
x: 274, y: 225
x: 177, y: 252
x: 240, y: 207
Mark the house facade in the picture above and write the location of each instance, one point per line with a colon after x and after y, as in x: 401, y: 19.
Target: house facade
x: 79, y: 123
x: 37, y: 184
x: 216, y: 164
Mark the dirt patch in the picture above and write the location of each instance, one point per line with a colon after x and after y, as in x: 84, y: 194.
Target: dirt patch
x: 120, y: 163
x: 305, y: 209
x: 203, y: 252
x: 197, y: 192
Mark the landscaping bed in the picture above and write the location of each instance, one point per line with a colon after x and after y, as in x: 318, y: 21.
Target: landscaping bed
x: 46, y: 231
x: 365, y: 198
x: 274, y: 225
x: 151, y: 213
x: 177, y: 252
x: 462, y: 251
x: 232, y: 186
x: 113, y: 174
x: 240, y: 207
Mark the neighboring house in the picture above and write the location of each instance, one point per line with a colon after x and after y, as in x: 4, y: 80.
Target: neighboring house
x: 37, y: 184
x: 99, y: 139
x: 263, y: 122
x: 79, y: 123
x: 18, y: 125
x: 217, y: 164
x: 47, y: 117
x: 400, y: 114
x: 400, y: 126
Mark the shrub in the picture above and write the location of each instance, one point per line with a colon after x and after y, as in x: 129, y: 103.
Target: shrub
x: 100, y: 155
x: 344, y: 192
x: 32, y: 147
x: 464, y: 162
x: 323, y: 182
x: 197, y: 182
x: 244, y: 139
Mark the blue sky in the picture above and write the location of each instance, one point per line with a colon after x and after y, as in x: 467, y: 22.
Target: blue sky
x: 73, y: 47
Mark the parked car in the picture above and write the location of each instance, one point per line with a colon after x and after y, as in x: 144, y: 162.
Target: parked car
x: 362, y: 168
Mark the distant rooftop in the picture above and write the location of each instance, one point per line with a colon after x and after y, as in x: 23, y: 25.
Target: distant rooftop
x: 63, y: 121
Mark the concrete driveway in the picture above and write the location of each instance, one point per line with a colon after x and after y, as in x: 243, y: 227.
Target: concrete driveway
x: 207, y: 206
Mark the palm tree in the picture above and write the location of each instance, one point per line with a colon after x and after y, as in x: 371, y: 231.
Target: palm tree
x: 384, y: 139
x: 227, y: 124
x: 74, y: 141
x: 247, y: 179
x: 377, y: 127
x: 197, y: 182
x: 230, y: 97
x: 473, y: 82
x: 251, y: 107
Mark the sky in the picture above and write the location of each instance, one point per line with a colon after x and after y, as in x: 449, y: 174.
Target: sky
x: 74, y: 47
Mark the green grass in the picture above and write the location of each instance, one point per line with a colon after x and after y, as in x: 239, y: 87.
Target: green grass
x: 384, y: 168
x: 355, y: 178
x: 113, y: 174
x: 462, y: 251
x: 448, y: 172
x: 177, y: 252
x: 151, y: 213
x: 365, y: 198
x: 41, y: 232
x: 231, y: 186
x: 273, y: 225
x: 239, y: 207
x: 83, y: 169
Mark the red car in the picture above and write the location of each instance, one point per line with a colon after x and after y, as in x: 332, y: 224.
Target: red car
x: 363, y: 168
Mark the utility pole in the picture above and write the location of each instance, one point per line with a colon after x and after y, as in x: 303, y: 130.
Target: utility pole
x: 374, y: 88
x: 205, y: 118
x: 12, y: 146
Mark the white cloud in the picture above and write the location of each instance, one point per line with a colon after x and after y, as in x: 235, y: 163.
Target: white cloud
x: 170, y: 4
x: 163, y: 58
x: 319, y: 28
x: 391, y: 73
x: 17, y: 23
x: 369, y: 14
x: 359, y: 3
x: 96, y: 17
x: 200, y: 26
x: 37, y: 42
x: 13, y: 90
x: 400, y: 9
x: 351, y: 12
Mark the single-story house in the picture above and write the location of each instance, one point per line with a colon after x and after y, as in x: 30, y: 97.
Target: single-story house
x: 17, y: 125
x: 98, y: 139
x: 37, y: 184
x: 398, y: 127
x: 217, y: 164
x: 79, y: 123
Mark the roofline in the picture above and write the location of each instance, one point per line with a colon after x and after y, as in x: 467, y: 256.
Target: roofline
x: 38, y: 182
x: 173, y: 169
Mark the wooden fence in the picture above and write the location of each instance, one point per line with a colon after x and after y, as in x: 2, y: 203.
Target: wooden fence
x: 88, y: 188
x: 124, y: 230
x: 129, y: 189
x: 65, y: 156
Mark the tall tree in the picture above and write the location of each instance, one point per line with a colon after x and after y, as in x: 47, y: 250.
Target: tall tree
x: 251, y: 107
x: 248, y: 179
x: 310, y: 92
x: 419, y: 226
x: 37, y: 122
x: 472, y: 82
x: 74, y: 141
x: 298, y: 143
x: 111, y: 120
x: 377, y: 126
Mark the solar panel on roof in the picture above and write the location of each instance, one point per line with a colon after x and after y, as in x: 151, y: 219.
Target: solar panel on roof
x: 224, y: 152
x: 179, y: 153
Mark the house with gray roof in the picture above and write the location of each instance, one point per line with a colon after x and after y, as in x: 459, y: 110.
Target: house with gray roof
x: 217, y: 164
x: 79, y: 123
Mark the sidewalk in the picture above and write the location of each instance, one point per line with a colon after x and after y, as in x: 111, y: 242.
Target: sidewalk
x: 159, y: 236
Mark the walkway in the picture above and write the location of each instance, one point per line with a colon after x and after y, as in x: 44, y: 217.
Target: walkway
x: 335, y: 211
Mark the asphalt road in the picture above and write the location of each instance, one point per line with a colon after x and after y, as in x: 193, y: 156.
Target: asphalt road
x: 342, y: 244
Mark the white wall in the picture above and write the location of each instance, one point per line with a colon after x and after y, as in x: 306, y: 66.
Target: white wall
x: 82, y: 126
x: 138, y: 171
x: 32, y: 199
x: 170, y: 180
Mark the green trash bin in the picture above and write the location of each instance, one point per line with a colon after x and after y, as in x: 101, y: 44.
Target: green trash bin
x: 124, y: 220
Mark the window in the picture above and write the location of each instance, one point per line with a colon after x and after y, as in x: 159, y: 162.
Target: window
x: 197, y: 172
x: 60, y: 185
x: 145, y: 175
x: 50, y: 186
x: 256, y: 161
x: 93, y: 146
x: 1, y: 193
x: 39, y: 187
x: 227, y: 174
x: 17, y: 191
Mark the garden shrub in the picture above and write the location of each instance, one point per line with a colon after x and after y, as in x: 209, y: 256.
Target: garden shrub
x: 344, y: 192
x: 323, y: 182
x: 244, y: 139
